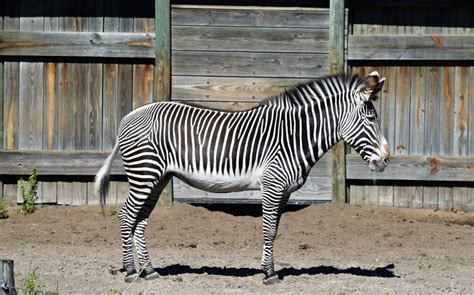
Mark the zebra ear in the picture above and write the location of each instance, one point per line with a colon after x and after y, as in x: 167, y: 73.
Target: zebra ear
x: 373, y: 87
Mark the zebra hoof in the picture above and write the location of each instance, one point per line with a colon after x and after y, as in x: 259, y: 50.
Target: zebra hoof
x: 131, y: 276
x: 271, y: 280
x: 151, y: 275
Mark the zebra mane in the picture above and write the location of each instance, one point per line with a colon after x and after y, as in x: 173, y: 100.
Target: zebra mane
x: 299, y: 94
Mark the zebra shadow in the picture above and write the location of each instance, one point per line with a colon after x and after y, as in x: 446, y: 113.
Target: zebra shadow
x: 179, y: 269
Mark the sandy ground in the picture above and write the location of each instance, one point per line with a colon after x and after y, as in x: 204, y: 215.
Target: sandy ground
x: 320, y: 249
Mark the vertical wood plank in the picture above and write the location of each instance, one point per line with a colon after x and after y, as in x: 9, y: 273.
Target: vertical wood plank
x: 49, y: 192
x: 143, y: 73
x: 386, y: 195
x: 371, y: 194
x: 415, y: 197
x: 1, y: 96
x: 430, y: 197
x: 94, y: 108
x: 110, y: 81
x: 79, y: 91
x: 417, y: 110
x: 400, y: 196
x: 461, y: 108
x: 461, y: 198
x: 162, y: 70
x: 65, y: 193
x: 432, y: 131
x: 31, y: 83
x: 446, y: 111
x: 445, y: 198
x: 122, y: 192
x: 11, y: 22
x: 357, y: 194
x: 471, y: 112
x: 336, y: 65
x: 79, y: 193
x: 402, y: 111
x: 10, y: 192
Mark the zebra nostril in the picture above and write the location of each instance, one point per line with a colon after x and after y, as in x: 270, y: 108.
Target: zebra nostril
x: 386, y: 160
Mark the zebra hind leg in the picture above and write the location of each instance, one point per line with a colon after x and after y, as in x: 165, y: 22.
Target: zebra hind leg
x: 273, y: 204
x: 146, y: 268
x: 126, y: 228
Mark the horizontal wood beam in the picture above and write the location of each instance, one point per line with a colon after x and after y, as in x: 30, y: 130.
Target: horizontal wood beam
x: 427, y: 47
x: 415, y: 168
x: 81, y: 163
x: 77, y: 44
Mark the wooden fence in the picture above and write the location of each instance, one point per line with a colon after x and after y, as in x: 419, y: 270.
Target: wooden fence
x: 69, y: 78
x: 427, y: 107
x: 71, y: 70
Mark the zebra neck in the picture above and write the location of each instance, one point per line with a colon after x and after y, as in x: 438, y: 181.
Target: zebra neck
x: 320, y: 127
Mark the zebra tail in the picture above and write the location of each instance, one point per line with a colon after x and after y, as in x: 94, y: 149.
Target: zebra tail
x: 102, y: 178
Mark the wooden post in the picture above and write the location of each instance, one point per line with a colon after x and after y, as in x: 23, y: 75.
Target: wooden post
x: 162, y: 73
x: 7, y: 279
x: 336, y: 59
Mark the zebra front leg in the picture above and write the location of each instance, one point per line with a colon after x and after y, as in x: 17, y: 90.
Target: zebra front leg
x: 272, y: 207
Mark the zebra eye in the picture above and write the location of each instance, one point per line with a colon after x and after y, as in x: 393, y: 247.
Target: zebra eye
x: 371, y: 118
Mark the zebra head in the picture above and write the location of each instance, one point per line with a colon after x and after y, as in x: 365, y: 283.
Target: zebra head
x: 360, y: 127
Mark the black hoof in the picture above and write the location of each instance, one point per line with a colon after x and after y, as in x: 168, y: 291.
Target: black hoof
x: 131, y: 276
x: 271, y: 280
x: 151, y: 275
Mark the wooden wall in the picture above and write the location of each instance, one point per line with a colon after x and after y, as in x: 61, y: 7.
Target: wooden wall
x: 427, y: 106
x: 72, y: 70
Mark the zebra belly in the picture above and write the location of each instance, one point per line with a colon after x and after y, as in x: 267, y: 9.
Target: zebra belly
x: 220, y: 183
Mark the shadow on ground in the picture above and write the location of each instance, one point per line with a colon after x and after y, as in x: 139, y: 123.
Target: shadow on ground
x: 178, y: 269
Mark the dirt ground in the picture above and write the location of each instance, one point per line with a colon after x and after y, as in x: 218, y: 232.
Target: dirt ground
x: 320, y: 249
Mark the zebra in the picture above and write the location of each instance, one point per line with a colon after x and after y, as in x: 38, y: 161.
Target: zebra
x: 270, y: 148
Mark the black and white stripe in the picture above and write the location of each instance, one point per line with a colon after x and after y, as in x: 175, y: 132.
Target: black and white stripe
x: 271, y: 148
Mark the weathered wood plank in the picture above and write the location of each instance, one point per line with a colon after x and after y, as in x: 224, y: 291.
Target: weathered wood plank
x: 471, y: 111
x: 424, y: 168
x: 417, y: 111
x: 430, y: 197
x: 432, y: 125
x: 79, y: 193
x: 402, y: 111
x: 110, y: 82
x: 446, y: 111
x: 49, y: 192
x: 228, y: 88
x: 445, y: 198
x: 415, y: 197
x: 357, y: 194
x: 142, y: 73
x: 77, y: 44
x: 11, y: 80
x: 337, y: 65
x: 400, y: 196
x: 419, y: 47
x: 250, y: 39
x: 65, y: 193
x: 31, y: 83
x: 56, y: 162
x: 249, y: 17
x: 122, y: 192
x: 87, y: 163
x: 95, y: 78
x: 461, y: 108
x: 371, y: 194
x: 10, y: 192
x: 249, y: 64
x: 386, y: 195
x: 315, y: 189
